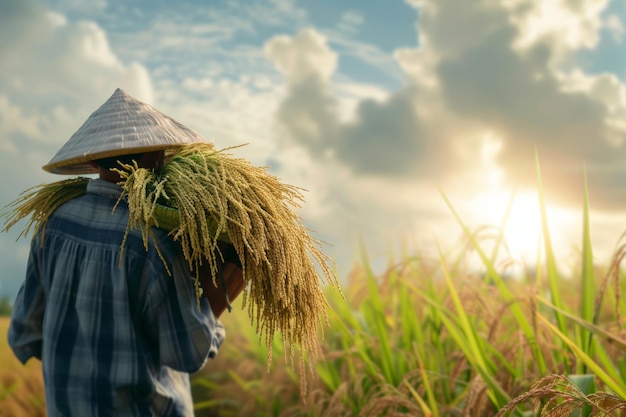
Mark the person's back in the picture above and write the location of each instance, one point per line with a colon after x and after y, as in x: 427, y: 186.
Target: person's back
x: 114, y: 331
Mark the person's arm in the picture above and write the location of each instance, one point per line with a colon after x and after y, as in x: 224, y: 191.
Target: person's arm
x: 187, y: 329
x: 25, y: 334
x: 230, y: 275
x: 182, y: 329
x: 229, y: 280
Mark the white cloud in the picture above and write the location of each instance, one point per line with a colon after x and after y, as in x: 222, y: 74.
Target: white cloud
x: 350, y: 22
x: 615, y: 26
x: 78, y: 61
x: 566, y: 25
x: 605, y: 88
x: 486, y: 83
x: 303, y: 56
x: 365, y: 52
x: 13, y: 120
x: 382, y: 136
x: 352, y: 94
x: 94, y: 45
x: 56, y: 19
x: 55, y: 73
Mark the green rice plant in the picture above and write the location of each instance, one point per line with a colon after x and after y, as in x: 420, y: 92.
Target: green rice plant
x: 584, y: 347
x: 367, y: 341
x: 429, y: 408
x: 528, y: 327
x: 557, y: 395
x: 465, y: 334
x: 573, y: 348
x: 550, y: 261
x: 588, y: 290
x: 608, y: 378
x: 578, y: 338
x: 405, y: 335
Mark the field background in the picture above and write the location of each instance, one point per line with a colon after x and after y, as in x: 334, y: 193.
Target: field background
x: 428, y: 337
x: 21, y: 387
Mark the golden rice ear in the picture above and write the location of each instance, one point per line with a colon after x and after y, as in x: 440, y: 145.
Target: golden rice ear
x: 37, y: 204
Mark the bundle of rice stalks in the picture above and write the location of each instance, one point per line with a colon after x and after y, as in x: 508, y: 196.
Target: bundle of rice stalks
x: 204, y: 196
x: 40, y: 202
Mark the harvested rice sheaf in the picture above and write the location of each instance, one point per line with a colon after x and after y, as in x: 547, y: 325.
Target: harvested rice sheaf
x: 218, y: 197
x: 40, y: 202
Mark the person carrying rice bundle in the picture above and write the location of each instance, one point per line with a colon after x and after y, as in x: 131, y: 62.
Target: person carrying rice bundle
x: 129, y: 272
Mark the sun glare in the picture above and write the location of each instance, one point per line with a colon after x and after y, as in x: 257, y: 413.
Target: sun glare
x: 523, y: 228
x: 517, y: 214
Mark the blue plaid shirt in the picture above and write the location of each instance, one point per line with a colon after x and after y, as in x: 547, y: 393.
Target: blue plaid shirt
x: 115, y: 337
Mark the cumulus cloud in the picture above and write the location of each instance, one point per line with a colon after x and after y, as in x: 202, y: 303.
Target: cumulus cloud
x: 521, y: 95
x: 482, y: 69
x: 307, y: 112
x: 57, y: 58
x: 489, y: 84
x: 358, y: 168
x: 384, y: 136
x: 302, y: 57
x: 565, y: 25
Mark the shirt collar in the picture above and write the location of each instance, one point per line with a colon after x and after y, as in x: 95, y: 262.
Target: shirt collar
x: 104, y: 188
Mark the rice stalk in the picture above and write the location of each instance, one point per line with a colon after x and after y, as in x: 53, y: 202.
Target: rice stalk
x: 557, y: 395
x: 608, y: 375
x: 588, y: 289
x: 39, y: 202
x: 552, y: 272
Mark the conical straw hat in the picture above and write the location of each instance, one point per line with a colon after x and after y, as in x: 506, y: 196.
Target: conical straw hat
x: 122, y: 125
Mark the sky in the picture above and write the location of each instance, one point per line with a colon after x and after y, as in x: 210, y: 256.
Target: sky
x: 374, y: 107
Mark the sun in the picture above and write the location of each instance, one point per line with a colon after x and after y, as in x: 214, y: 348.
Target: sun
x: 522, y: 232
x: 516, y: 212
x: 523, y: 228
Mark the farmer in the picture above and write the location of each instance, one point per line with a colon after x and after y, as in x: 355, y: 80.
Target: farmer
x: 117, y: 330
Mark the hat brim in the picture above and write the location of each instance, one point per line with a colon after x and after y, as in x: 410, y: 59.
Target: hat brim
x: 81, y: 165
x: 123, y: 125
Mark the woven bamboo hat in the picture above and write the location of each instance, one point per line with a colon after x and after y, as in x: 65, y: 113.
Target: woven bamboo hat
x: 122, y: 125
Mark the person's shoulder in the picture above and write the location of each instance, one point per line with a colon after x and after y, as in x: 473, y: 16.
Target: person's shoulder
x: 104, y: 188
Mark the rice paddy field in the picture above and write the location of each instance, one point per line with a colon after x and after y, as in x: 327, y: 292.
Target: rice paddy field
x: 430, y: 336
x: 21, y: 387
